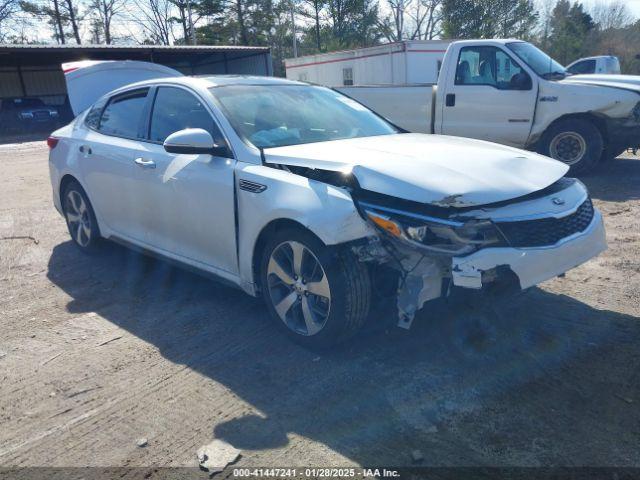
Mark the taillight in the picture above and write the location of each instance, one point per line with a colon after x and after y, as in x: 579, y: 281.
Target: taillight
x: 52, y: 142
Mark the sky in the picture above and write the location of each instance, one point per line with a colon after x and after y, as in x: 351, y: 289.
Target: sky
x: 632, y: 5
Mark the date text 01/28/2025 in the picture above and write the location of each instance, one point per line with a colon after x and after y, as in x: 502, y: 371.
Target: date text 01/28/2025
x: 314, y: 472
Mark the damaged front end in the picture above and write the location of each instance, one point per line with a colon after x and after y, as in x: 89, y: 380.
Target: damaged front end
x: 420, y: 246
x: 441, y: 252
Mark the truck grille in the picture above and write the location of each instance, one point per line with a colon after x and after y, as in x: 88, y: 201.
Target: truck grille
x: 547, y: 231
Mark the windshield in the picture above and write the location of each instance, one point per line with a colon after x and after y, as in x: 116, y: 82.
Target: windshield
x: 540, y: 62
x: 278, y: 115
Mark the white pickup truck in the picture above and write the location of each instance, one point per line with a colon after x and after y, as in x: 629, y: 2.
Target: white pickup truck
x: 510, y: 92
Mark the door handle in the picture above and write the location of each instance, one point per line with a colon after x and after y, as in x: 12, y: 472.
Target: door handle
x: 145, y: 163
x: 450, y: 100
x: 85, y: 149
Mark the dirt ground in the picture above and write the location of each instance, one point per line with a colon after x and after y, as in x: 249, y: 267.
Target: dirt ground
x: 97, y: 352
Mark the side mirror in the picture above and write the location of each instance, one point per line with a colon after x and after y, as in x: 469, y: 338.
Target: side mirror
x: 194, y: 141
x: 521, y: 81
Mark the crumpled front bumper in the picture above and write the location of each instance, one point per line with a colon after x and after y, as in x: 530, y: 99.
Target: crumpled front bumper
x: 532, y: 265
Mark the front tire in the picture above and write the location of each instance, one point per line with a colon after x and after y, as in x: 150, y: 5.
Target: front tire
x: 318, y: 295
x: 80, y: 217
x: 576, y: 142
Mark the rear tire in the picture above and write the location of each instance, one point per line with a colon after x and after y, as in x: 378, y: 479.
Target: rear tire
x: 576, y: 142
x: 80, y: 217
x: 318, y: 295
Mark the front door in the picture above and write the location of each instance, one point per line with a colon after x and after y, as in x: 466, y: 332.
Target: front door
x: 188, y: 199
x: 485, y: 99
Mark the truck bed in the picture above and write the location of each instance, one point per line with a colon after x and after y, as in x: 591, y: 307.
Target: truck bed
x: 410, y: 106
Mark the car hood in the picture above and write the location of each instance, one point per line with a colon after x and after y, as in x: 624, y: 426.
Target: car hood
x: 626, y: 82
x: 435, y: 169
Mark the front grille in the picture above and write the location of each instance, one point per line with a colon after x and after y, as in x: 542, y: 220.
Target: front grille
x: 547, y: 231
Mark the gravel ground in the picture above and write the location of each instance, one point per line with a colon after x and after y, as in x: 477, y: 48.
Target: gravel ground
x: 98, y: 352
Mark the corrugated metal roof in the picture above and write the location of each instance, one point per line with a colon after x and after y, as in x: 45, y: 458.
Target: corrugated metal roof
x: 192, y: 48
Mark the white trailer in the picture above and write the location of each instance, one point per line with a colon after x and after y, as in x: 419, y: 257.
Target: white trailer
x: 402, y: 63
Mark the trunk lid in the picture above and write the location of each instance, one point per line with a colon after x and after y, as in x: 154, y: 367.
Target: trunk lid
x: 89, y: 80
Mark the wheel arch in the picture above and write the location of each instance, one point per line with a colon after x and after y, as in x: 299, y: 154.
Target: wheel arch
x: 599, y: 121
x: 64, y: 181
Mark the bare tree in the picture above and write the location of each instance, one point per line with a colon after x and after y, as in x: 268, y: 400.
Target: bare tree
x: 155, y: 19
x: 105, y: 11
x: 7, y: 9
x: 73, y: 18
x: 53, y: 11
x: 412, y: 20
x: 610, y: 15
x: 426, y: 19
x: 312, y: 9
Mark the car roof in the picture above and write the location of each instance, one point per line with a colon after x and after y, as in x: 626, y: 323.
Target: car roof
x: 209, y: 81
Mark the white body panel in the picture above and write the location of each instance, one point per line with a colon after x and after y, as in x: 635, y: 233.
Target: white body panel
x: 403, y: 63
x: 407, y: 107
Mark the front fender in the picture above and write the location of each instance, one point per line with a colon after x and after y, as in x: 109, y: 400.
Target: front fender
x: 559, y: 99
x: 326, y: 210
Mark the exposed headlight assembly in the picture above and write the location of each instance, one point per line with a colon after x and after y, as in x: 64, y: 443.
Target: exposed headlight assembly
x: 435, y: 234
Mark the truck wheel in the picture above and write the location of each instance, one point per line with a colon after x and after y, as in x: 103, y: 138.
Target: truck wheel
x: 576, y: 142
x: 318, y: 295
x: 81, y: 220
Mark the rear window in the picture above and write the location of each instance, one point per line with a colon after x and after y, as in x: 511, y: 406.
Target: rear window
x: 123, y: 113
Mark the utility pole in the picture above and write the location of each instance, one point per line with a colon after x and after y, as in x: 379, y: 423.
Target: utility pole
x: 293, y: 29
x: 192, y: 30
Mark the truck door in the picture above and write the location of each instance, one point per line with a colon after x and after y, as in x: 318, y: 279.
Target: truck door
x: 488, y: 96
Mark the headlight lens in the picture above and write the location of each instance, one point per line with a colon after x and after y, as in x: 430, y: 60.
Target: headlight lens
x: 438, y: 235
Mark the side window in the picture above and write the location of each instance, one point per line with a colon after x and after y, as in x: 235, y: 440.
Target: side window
x: 123, y: 113
x: 347, y: 77
x: 586, y: 66
x: 92, y: 120
x: 176, y: 109
x: 487, y: 66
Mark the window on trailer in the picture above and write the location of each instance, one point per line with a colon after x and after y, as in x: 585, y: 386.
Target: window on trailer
x: 347, y: 76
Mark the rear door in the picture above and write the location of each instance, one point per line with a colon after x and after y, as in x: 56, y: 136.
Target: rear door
x: 482, y: 101
x: 188, y: 199
x: 113, y: 139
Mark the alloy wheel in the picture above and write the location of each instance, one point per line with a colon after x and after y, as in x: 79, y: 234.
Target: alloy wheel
x: 298, y: 288
x: 78, y: 218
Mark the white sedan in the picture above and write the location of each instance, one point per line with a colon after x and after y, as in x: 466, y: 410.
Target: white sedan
x: 303, y: 196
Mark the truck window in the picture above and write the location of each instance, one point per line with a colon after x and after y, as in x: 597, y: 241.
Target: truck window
x: 586, y: 66
x: 489, y: 66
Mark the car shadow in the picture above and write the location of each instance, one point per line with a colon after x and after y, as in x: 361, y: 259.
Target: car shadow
x: 615, y: 180
x: 542, y: 380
